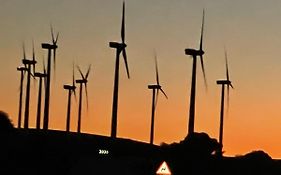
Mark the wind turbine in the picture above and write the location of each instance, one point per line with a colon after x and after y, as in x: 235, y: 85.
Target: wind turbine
x: 194, y: 53
x: 229, y: 84
x: 22, y: 70
x: 81, y: 82
x: 49, y: 47
x: 120, y: 47
x: 155, y: 88
x: 28, y: 64
x: 41, y: 76
x: 70, y: 88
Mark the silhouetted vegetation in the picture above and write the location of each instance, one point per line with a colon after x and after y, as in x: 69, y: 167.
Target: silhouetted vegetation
x: 5, y: 123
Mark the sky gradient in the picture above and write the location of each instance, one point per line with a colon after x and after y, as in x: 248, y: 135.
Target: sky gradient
x: 250, y: 30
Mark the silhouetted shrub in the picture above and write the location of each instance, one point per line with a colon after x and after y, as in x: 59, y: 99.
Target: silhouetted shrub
x: 197, y: 144
x: 201, y: 143
x: 258, y: 156
x: 5, y: 123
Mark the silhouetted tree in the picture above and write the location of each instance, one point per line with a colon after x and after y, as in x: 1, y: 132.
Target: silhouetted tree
x: 5, y: 123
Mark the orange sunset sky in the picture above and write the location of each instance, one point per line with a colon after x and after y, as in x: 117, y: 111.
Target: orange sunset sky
x: 250, y: 30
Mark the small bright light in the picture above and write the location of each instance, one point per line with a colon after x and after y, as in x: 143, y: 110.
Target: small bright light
x: 103, y: 151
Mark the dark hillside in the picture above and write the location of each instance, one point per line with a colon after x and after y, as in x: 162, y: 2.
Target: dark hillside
x: 44, y: 152
x: 57, y: 152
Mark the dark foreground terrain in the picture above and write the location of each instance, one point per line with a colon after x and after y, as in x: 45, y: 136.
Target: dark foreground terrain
x: 56, y: 152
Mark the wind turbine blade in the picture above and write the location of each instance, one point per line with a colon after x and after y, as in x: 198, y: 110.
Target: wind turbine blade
x: 74, y: 91
x: 45, y: 73
x: 231, y: 86
x: 203, y: 70
x: 57, y: 37
x: 227, y: 107
x: 73, y: 77
x: 32, y: 75
x: 33, y: 56
x: 54, y: 55
x: 202, y: 31
x: 23, y: 74
x: 52, y: 33
x: 156, y: 68
x: 87, y: 74
x: 33, y: 52
x: 87, y: 100
x: 123, y: 24
x: 156, y: 99
x: 164, y: 93
x: 54, y: 43
x: 34, y: 83
x: 80, y: 72
x: 44, y: 67
x: 226, y: 66
x: 126, y: 63
x: 23, y: 49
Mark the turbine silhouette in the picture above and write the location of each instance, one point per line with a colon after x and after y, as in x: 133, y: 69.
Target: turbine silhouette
x: 155, y: 87
x: 28, y: 63
x: 41, y: 76
x: 49, y: 47
x: 120, y: 47
x: 70, y: 88
x: 81, y: 82
x: 229, y: 84
x: 194, y: 53
x: 22, y: 70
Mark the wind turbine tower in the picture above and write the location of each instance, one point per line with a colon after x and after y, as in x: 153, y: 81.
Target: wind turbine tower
x: 49, y: 47
x: 155, y: 88
x: 28, y: 64
x: 22, y: 70
x: 194, y: 53
x: 120, y: 47
x: 70, y: 88
x: 228, y: 83
x: 82, y: 81
x: 41, y: 77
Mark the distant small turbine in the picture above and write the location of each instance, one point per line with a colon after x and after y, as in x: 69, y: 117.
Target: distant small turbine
x: 155, y: 87
x: 41, y: 77
x: 194, y: 53
x: 28, y: 64
x: 70, y: 88
x: 22, y: 70
x: 81, y: 82
x: 120, y: 47
x: 223, y: 83
x: 49, y: 47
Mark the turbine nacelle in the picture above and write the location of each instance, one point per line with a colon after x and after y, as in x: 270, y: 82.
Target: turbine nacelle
x: 22, y: 68
x: 49, y: 46
x: 28, y: 62
x: 69, y: 87
x: 223, y: 82
x: 81, y: 81
x: 154, y: 86
x: 38, y: 74
x: 194, y: 52
x: 117, y: 45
